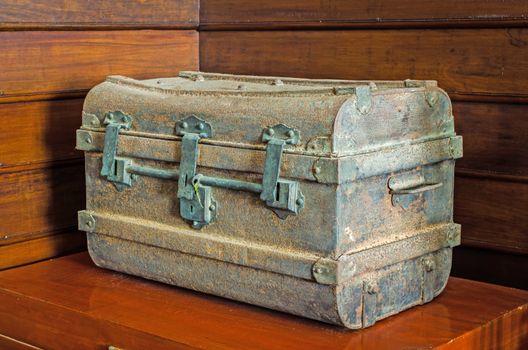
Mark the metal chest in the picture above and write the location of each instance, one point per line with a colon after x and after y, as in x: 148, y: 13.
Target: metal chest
x: 327, y: 199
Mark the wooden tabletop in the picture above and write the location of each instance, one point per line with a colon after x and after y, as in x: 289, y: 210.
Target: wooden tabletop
x: 69, y: 303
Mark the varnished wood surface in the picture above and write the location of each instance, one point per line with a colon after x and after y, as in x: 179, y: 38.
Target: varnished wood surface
x: 90, y: 14
x: 492, y: 213
x: 7, y: 343
x: 494, y: 137
x: 468, y: 63
x: 30, y: 250
x: 491, y: 266
x: 221, y: 14
x: 40, y: 201
x: 69, y: 303
x: 39, y: 64
x: 38, y: 132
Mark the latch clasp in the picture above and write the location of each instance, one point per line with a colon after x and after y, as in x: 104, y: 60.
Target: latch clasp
x: 283, y: 196
x: 196, y: 201
x: 115, y: 121
x: 197, y: 204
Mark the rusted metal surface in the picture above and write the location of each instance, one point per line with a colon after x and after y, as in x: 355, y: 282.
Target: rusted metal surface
x: 370, y: 165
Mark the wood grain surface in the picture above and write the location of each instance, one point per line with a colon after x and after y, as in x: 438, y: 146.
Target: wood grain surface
x: 38, y: 64
x: 219, y: 14
x: 8, y: 343
x: 491, y: 266
x: 495, y: 137
x: 76, y: 305
x: 90, y: 14
x: 492, y: 213
x: 40, y: 201
x: 479, y: 64
x: 41, y: 131
x: 50, y: 246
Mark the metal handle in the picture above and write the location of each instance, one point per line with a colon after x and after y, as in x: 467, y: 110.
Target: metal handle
x: 405, y: 188
x: 418, y: 189
x: 197, y: 204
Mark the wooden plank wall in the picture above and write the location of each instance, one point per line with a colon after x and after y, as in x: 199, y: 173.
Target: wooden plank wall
x: 477, y: 50
x: 52, y: 53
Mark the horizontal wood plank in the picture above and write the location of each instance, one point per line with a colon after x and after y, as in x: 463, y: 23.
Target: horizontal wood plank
x: 25, y: 252
x: 41, y: 131
x: 495, y: 137
x: 63, y: 62
x: 219, y: 14
x: 39, y: 201
x: 77, y: 305
x: 492, y: 213
x: 8, y: 343
x: 491, y: 266
x: 46, y: 14
x: 486, y: 63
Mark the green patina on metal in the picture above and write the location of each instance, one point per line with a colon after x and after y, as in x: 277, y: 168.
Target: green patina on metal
x: 196, y: 201
x: 373, y: 174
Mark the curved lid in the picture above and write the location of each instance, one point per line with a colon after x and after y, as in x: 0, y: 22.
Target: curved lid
x: 334, y: 117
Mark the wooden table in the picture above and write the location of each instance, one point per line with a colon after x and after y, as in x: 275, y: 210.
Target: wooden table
x: 68, y: 303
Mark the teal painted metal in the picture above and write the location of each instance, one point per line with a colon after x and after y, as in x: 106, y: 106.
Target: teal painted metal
x: 113, y: 169
x: 197, y: 204
x: 270, y: 179
x: 375, y: 165
x: 196, y: 201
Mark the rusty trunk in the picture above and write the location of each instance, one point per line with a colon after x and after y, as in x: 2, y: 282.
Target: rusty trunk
x: 327, y: 199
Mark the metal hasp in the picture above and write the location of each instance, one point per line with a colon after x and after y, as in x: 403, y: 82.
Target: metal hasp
x: 197, y: 204
x: 196, y: 201
x: 114, y: 168
x: 283, y: 196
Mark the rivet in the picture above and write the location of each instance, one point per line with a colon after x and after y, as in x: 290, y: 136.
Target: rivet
x: 429, y: 265
x: 212, y: 207
x: 88, y: 139
x: 184, y: 125
x: 300, y: 201
x: 291, y: 133
x: 317, y: 170
x: 200, y: 126
x: 271, y: 132
x: 242, y: 87
x: 372, y: 288
x: 89, y: 223
x: 318, y: 270
x: 277, y: 82
x: 200, y: 78
x: 313, y: 146
x: 95, y: 122
x: 195, y: 223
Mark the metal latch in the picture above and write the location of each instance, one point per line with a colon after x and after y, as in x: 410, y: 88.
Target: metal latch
x: 284, y: 196
x: 114, y: 170
x: 197, y: 204
x: 196, y: 201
